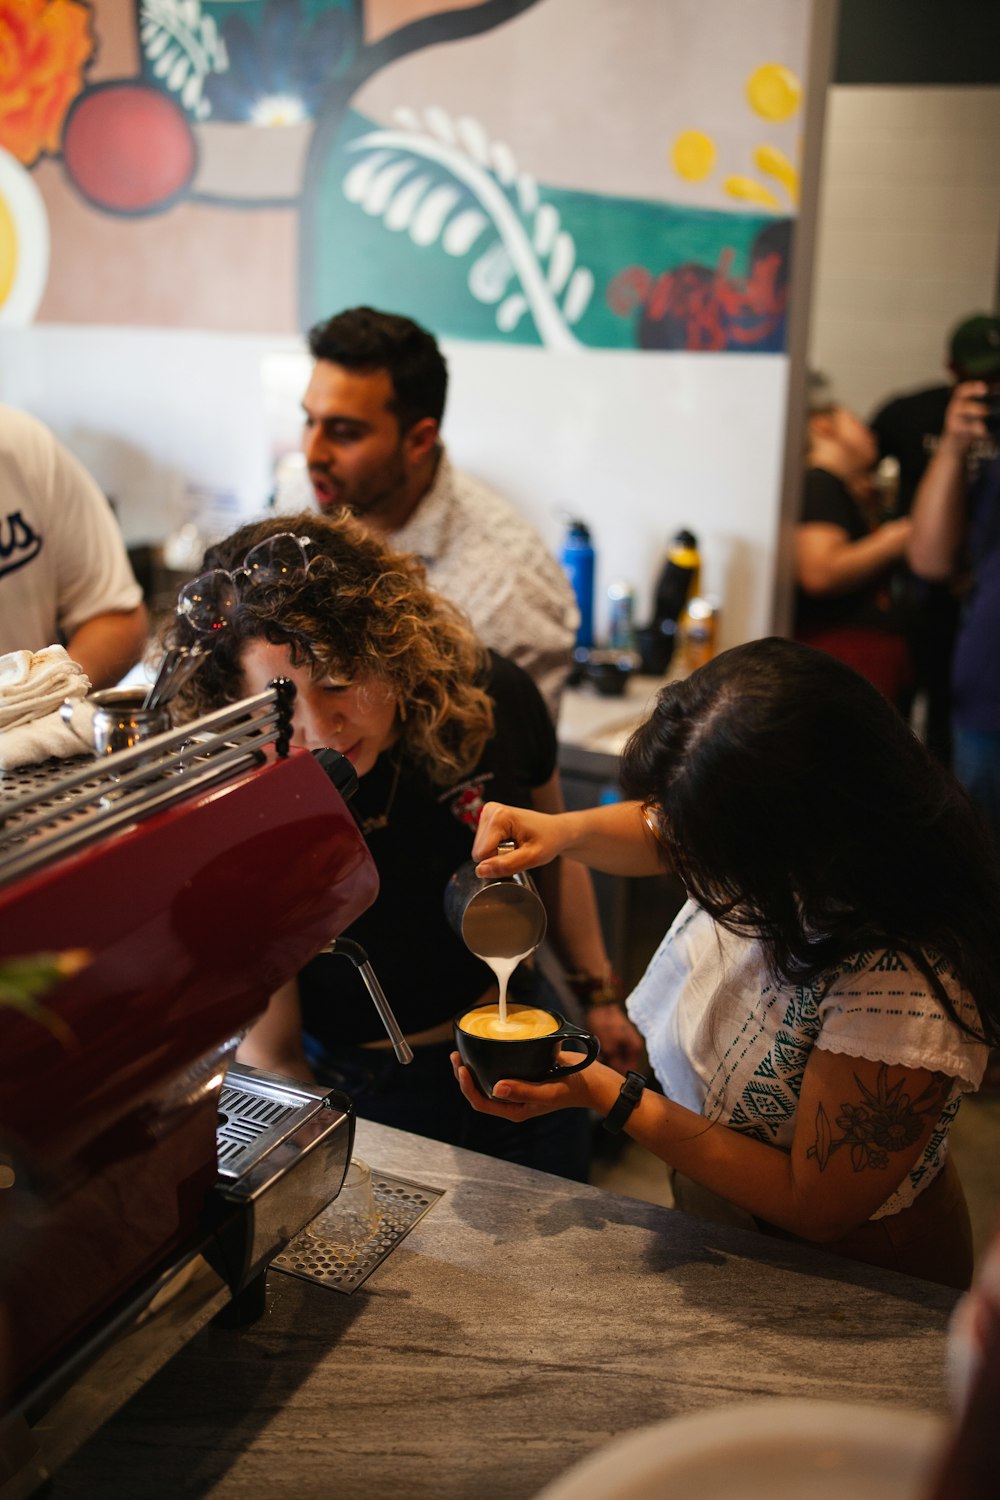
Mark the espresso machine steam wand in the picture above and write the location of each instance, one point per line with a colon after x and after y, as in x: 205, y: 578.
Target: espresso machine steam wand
x: 342, y: 774
x: 359, y: 958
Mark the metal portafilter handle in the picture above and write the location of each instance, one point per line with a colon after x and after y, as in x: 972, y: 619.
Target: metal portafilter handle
x: 359, y: 958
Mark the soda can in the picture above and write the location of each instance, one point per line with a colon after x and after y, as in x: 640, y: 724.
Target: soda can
x: 701, y: 631
x: 621, y: 612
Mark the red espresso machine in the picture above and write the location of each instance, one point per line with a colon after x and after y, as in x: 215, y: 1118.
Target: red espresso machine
x: 146, y: 1179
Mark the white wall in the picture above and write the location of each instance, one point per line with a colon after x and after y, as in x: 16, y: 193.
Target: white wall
x: 908, y: 233
x: 638, y: 446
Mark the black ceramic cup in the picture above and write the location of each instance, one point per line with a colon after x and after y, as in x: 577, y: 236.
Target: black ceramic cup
x: 530, y: 1058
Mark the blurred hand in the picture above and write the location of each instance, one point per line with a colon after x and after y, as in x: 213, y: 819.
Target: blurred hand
x: 621, y: 1044
x: 964, y: 418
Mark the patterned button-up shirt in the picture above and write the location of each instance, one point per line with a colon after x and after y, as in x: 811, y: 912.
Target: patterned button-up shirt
x: 485, y: 557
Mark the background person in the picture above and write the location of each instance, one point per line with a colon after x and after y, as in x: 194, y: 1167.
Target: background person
x: 827, y: 995
x: 373, y: 411
x: 956, y: 534
x: 908, y: 428
x: 65, y: 576
x: 391, y: 675
x: 844, y: 560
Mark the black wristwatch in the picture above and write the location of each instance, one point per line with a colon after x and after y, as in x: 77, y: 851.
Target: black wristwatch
x: 628, y: 1097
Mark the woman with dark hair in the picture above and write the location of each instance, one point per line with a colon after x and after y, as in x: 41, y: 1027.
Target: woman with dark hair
x: 392, y: 676
x: 846, y: 559
x: 830, y: 989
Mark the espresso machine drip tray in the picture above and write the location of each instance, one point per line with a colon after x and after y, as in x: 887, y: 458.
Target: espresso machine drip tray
x: 256, y: 1113
x: 400, y: 1205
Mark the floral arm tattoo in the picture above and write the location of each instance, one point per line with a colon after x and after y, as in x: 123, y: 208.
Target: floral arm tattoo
x: 887, y: 1120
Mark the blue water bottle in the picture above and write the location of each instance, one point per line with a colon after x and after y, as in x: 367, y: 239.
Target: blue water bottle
x: 577, y: 558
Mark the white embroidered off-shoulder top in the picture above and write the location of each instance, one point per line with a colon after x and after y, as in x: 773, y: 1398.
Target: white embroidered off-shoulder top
x: 728, y: 1042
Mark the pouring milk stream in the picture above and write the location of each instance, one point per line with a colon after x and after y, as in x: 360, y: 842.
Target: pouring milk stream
x: 501, y: 921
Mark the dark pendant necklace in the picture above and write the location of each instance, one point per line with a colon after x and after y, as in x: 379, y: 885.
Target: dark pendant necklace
x: 381, y: 820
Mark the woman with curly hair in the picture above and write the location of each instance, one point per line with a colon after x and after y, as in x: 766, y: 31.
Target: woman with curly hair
x: 830, y: 989
x: 392, y: 676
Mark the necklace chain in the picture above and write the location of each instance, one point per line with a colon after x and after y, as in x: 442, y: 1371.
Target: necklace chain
x: 381, y: 820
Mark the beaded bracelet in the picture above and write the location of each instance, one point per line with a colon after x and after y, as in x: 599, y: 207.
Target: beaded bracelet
x: 596, y: 989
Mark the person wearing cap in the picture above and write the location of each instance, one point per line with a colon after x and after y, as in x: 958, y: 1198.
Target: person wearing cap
x: 908, y: 428
x: 956, y: 537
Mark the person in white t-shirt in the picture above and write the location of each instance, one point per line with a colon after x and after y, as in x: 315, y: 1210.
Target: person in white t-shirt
x: 831, y: 988
x: 65, y: 577
x: 373, y: 411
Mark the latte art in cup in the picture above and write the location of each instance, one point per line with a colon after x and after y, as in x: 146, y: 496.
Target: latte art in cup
x: 531, y: 1043
x: 523, y: 1022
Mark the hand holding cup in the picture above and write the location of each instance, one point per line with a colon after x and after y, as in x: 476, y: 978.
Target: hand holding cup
x: 527, y: 1046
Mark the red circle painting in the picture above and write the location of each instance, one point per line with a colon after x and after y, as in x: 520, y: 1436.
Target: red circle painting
x: 128, y: 149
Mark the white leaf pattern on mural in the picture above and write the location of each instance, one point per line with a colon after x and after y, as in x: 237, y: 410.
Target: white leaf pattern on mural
x: 528, y: 231
x: 578, y: 294
x: 463, y: 230
x: 511, y: 311
x: 399, y: 214
x: 546, y: 228
x: 503, y: 161
x: 527, y: 193
x: 357, y: 180
x: 561, y: 263
x: 380, y: 190
x: 475, y: 140
x: 430, y: 217
x: 184, y: 47
x: 439, y: 123
x: 490, y: 275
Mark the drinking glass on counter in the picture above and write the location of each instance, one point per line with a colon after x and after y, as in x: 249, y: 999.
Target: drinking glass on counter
x: 352, y: 1218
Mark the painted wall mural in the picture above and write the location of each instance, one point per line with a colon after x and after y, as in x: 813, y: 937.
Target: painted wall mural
x: 572, y: 174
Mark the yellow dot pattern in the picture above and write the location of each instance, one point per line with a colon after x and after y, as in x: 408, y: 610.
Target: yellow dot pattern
x: 774, y: 92
x: 8, y: 250
x: 774, y: 163
x: 693, y: 155
x: 750, y: 191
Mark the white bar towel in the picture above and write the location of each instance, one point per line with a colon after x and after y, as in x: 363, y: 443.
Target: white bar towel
x: 33, y: 683
x: 49, y: 736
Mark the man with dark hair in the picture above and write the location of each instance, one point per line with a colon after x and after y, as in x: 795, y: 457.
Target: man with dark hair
x: 373, y: 411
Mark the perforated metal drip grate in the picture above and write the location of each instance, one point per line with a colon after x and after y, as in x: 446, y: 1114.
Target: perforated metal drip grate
x: 58, y: 807
x: 400, y: 1204
x: 41, y: 784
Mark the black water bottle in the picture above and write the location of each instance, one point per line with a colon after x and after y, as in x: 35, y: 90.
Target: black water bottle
x: 677, y: 582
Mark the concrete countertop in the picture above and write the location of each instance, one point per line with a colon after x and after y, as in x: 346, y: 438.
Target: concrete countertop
x: 593, y: 722
x: 524, y: 1321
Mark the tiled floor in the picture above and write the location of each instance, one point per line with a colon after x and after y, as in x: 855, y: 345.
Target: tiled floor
x: 975, y: 1144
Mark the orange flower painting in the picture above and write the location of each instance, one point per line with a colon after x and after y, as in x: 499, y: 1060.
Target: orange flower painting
x: 44, y: 47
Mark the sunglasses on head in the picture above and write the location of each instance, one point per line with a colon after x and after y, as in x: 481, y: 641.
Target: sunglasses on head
x: 208, y: 601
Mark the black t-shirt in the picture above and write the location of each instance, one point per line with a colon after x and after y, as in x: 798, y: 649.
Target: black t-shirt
x: 427, y: 973
x: 827, y: 499
x: 907, y: 429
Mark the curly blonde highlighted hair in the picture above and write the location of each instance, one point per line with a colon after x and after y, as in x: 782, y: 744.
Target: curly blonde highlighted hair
x: 359, y: 609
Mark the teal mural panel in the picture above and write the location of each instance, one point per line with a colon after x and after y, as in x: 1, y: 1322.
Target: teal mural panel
x: 408, y: 222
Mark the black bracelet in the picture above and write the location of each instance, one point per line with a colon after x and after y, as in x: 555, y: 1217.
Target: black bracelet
x: 628, y: 1097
